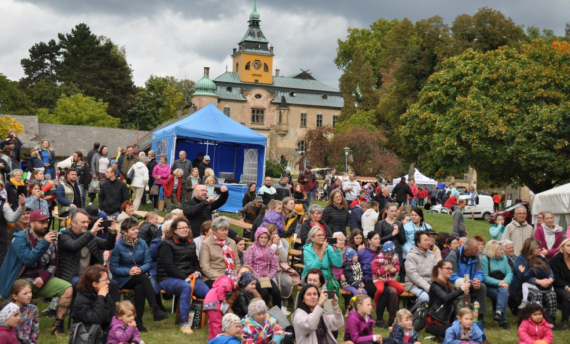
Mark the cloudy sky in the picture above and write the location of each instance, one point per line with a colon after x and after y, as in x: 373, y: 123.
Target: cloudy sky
x: 179, y: 38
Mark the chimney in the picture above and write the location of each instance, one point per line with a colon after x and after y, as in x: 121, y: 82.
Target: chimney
x: 277, y: 72
x: 271, y: 49
x: 235, y: 50
x: 207, y: 71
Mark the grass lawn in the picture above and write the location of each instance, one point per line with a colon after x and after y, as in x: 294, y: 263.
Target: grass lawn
x: 167, y: 332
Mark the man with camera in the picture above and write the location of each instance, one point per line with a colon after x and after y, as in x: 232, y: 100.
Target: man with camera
x: 12, y: 139
x: 199, y: 209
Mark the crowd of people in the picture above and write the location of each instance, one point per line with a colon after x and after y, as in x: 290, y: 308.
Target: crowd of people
x: 245, y: 282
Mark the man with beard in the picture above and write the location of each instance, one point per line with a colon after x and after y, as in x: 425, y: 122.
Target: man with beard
x: 69, y: 194
x: 32, y: 256
x: 199, y: 209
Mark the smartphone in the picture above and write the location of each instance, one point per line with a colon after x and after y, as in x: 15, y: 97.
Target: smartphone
x: 331, y: 241
x: 106, y: 223
x: 331, y: 295
x: 22, y: 190
x: 466, y: 277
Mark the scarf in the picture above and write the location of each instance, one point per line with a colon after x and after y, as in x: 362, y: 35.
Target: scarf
x: 16, y: 183
x: 7, y: 312
x: 227, y: 252
x: 131, y: 242
x: 550, y: 235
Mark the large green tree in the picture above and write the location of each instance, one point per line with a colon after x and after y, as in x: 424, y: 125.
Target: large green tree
x: 504, y: 112
x: 79, y: 110
x: 13, y: 100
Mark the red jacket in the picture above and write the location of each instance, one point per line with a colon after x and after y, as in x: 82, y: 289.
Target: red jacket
x: 529, y: 332
x: 8, y: 335
x: 451, y: 201
x: 169, y: 185
x: 496, y: 199
x: 309, y: 181
x: 424, y: 194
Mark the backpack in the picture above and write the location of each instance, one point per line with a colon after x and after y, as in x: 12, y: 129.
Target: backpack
x: 419, y: 313
x: 477, y: 199
x: 79, y: 335
x: 130, y: 175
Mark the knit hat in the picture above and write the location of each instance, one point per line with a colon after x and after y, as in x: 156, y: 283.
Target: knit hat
x: 349, y: 253
x: 256, y: 306
x: 246, y: 278
x: 388, y: 247
x: 229, y: 320
x: 8, y: 311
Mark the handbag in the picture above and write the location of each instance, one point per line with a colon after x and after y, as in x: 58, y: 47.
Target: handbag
x: 496, y: 274
x: 264, y: 282
x: 94, y: 186
x: 154, y: 190
x: 130, y: 176
x: 195, y: 318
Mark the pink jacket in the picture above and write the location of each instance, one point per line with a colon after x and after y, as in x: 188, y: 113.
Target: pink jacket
x: 121, y: 333
x: 378, y: 271
x: 261, y: 258
x: 414, y: 189
x: 539, y: 235
x: 162, y: 171
x: 529, y: 332
x: 220, y: 291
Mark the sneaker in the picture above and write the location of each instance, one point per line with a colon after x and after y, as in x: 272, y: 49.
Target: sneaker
x: 497, y: 316
x: 57, y: 330
x: 524, y: 303
x: 186, y: 329
x: 504, y: 326
x: 285, y: 311
x: 90, y: 203
x: 564, y: 326
x: 381, y: 324
x: 149, y: 202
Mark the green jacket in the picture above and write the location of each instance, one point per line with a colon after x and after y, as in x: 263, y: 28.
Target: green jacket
x: 501, y: 264
x: 312, y: 261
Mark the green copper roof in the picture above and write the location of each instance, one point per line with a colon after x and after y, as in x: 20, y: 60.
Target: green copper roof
x: 205, y: 87
x: 254, y: 15
x: 281, y: 82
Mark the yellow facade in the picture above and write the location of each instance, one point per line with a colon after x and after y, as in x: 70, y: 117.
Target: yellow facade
x: 254, y: 68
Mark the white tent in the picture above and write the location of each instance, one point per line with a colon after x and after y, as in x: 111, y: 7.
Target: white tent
x: 556, y: 200
x: 419, y: 178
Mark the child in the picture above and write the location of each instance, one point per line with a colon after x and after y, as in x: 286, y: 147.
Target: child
x: 498, y: 228
x: 402, y: 332
x: 539, y: 269
x: 247, y: 282
x: 123, y: 327
x: 533, y: 326
x: 260, y: 327
x: 215, y: 304
x: 353, y: 277
x: 359, y: 322
x: 231, y: 326
x: 29, y: 328
x: 463, y: 330
x: 9, y: 319
x: 384, y: 267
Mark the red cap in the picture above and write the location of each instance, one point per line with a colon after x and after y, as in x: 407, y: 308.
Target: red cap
x: 39, y: 215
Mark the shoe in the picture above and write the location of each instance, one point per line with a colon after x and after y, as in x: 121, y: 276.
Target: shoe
x: 141, y: 328
x: 57, y: 330
x: 186, y: 329
x: 524, y: 303
x: 381, y: 324
x: 497, y: 316
x: 149, y: 202
x: 285, y: 311
x: 564, y: 326
x: 90, y: 203
x: 504, y: 326
x: 159, y: 315
x: 155, y: 210
x: 391, y: 322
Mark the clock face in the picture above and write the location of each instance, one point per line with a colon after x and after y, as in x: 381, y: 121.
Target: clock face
x: 257, y: 64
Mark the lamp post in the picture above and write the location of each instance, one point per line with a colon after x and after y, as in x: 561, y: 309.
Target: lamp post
x: 346, y: 150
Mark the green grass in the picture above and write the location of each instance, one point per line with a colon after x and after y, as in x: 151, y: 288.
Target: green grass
x: 167, y: 332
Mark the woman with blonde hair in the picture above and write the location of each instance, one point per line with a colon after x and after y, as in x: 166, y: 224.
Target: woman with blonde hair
x: 192, y: 180
x: 47, y: 154
x: 336, y: 212
x: 210, y: 188
x: 209, y: 173
x: 173, y: 190
x: 498, y: 275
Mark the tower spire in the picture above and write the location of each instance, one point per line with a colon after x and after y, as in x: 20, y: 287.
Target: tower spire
x: 254, y: 15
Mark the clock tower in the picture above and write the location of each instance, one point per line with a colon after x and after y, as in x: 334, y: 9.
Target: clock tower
x: 253, y: 59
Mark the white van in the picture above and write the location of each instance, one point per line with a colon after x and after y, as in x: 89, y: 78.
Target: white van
x: 482, y: 210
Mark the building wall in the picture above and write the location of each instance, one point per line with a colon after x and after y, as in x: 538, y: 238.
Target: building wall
x: 240, y: 60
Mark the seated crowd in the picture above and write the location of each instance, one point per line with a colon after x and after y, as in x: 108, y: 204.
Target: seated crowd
x: 247, y: 284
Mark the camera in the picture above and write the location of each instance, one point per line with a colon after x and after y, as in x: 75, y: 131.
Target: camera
x: 218, y: 189
x: 332, y: 241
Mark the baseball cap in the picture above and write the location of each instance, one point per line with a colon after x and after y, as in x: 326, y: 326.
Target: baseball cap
x: 258, y: 198
x: 113, y: 161
x: 92, y: 211
x: 288, y: 169
x: 207, y: 157
x: 39, y: 215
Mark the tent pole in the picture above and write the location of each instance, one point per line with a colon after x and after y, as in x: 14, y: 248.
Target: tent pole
x: 235, y: 161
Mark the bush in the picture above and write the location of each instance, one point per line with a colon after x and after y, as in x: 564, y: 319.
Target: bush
x: 273, y: 169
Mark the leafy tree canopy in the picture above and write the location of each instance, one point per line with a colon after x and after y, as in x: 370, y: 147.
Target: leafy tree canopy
x: 79, y: 110
x: 13, y: 100
x: 9, y: 123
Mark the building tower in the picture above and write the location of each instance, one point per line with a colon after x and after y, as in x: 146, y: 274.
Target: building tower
x: 205, y: 91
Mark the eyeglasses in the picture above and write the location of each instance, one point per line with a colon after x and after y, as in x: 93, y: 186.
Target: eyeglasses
x: 447, y: 268
x: 319, y: 235
x: 185, y: 227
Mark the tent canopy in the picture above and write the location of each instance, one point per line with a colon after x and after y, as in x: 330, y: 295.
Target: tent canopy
x: 419, y: 178
x: 556, y: 200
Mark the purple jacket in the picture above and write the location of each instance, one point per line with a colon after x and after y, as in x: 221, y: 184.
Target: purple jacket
x: 539, y: 235
x: 358, y: 330
x: 162, y: 171
x: 121, y: 333
x: 365, y: 257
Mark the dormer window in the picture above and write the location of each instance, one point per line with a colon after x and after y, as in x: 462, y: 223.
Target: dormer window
x: 248, y: 66
x: 325, y: 96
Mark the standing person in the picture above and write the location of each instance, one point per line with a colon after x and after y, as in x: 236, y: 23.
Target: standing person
x: 185, y: 165
x: 140, y: 180
x: 83, y: 172
x: 28, y: 330
x: 370, y: 217
x: 402, y: 191
x: 12, y: 140
x: 94, y: 174
x: 335, y: 214
x: 151, y: 164
x: 392, y: 230
x: 113, y: 193
x: 199, y: 209
x: 173, y: 190
x: 383, y: 198
x: 503, y: 200
x: 459, y: 220
x: 193, y: 180
x: 69, y: 194
x: 419, y: 262
x: 498, y: 228
x: 99, y: 163
x: 351, y: 188
x: 472, y: 201
x: 329, y: 180
x: 417, y: 224
x: 160, y: 173
x: 282, y: 187
x: 497, y: 277
x: 309, y: 181
x: 550, y: 236
x: 47, y: 155
x: 496, y: 202
x: 267, y: 191
x: 20, y: 218
x: 128, y: 162
x: 414, y: 189
x: 560, y: 264
x: 518, y: 230
x: 196, y: 162
x: 12, y: 187
x: 205, y: 164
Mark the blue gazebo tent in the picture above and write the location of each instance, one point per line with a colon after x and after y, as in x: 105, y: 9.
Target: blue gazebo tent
x: 232, y: 147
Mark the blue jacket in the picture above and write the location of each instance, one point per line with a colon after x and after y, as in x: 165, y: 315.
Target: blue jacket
x: 123, y: 258
x: 520, y: 277
x: 355, y: 217
x: 223, y: 339
x: 37, y: 203
x: 410, y: 229
x: 398, y: 334
x: 51, y: 169
x: 452, y: 334
x: 501, y: 264
x: 365, y: 257
x: 472, y: 267
x: 154, y: 254
x: 496, y: 232
x: 20, y: 255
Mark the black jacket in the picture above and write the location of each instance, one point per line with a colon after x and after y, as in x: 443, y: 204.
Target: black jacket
x: 335, y: 218
x: 17, y: 146
x: 201, y: 168
x: 90, y: 308
x: 83, y: 175
x: 176, y: 260
x: 147, y: 232
x: 402, y: 191
x: 560, y: 270
x: 385, y: 230
x: 258, y: 221
x: 247, y: 198
x: 70, y: 245
x: 112, y: 195
x: 12, y: 193
x: 197, y: 212
x: 306, y: 227
x: 441, y: 305
x: 382, y: 200
x: 242, y: 302
x: 151, y: 164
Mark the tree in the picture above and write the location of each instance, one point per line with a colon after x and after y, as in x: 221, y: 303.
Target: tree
x: 366, y: 119
x: 45, y: 93
x: 9, y: 123
x: 357, y: 85
x: 43, y: 63
x: 318, y: 146
x: 13, y: 100
x: 79, y: 110
x: 504, y: 112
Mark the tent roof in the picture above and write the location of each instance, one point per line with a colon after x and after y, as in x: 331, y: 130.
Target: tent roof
x: 211, y: 124
x: 556, y: 200
x: 419, y: 178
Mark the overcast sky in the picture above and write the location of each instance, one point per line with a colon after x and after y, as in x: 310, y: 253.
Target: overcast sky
x: 180, y: 37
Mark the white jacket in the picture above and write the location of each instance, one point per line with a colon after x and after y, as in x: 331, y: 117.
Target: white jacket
x: 140, y: 180
x: 369, y: 219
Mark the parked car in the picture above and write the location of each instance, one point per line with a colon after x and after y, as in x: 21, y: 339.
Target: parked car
x: 483, y: 210
x: 509, y: 213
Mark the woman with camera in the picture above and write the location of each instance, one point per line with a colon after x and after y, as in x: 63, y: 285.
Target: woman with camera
x: 318, y: 254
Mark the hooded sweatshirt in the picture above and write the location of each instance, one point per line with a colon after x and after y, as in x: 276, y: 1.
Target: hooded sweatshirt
x: 359, y: 329
x: 453, y: 333
x: 261, y: 258
x: 121, y: 333
x: 140, y: 179
x: 8, y: 335
x: 368, y: 221
x: 529, y: 332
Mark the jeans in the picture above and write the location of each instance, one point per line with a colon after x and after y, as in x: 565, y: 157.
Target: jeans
x: 501, y: 295
x: 421, y: 294
x: 182, y: 290
x: 414, y: 202
x: 310, y: 196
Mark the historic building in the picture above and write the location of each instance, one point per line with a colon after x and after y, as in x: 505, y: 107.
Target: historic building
x: 279, y: 107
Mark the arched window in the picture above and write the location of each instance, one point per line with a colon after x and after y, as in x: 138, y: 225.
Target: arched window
x: 265, y: 67
x: 301, y: 146
x: 247, y: 66
x: 237, y: 66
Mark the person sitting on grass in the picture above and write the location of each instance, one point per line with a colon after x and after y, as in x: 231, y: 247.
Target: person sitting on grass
x: 28, y: 330
x: 360, y: 323
x: 259, y: 326
x: 9, y: 319
x: 463, y: 330
x: 533, y: 327
x: 403, y: 330
x: 231, y: 328
x: 123, y: 326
